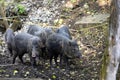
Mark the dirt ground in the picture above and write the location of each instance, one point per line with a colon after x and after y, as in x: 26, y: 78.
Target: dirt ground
x: 43, y: 71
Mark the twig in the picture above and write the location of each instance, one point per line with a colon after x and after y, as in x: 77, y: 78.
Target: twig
x: 8, y: 65
x: 36, y: 71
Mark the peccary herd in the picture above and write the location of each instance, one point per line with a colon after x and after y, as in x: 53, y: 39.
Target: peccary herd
x: 40, y: 42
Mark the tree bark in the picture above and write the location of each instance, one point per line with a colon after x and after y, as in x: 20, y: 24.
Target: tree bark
x: 114, y: 41
x: 3, y: 15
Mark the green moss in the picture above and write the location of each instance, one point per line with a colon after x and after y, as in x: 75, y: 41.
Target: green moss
x: 105, y: 60
x: 21, y: 9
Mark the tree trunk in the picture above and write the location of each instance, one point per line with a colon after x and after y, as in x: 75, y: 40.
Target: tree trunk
x: 16, y: 25
x: 114, y: 41
x: 2, y: 13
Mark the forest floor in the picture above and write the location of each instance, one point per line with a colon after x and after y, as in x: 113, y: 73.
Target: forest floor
x: 92, y: 42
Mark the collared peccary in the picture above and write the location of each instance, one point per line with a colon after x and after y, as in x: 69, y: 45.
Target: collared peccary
x: 26, y: 43
x: 9, y: 39
x: 63, y: 46
x: 33, y: 29
x: 64, y: 30
x: 43, y: 33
